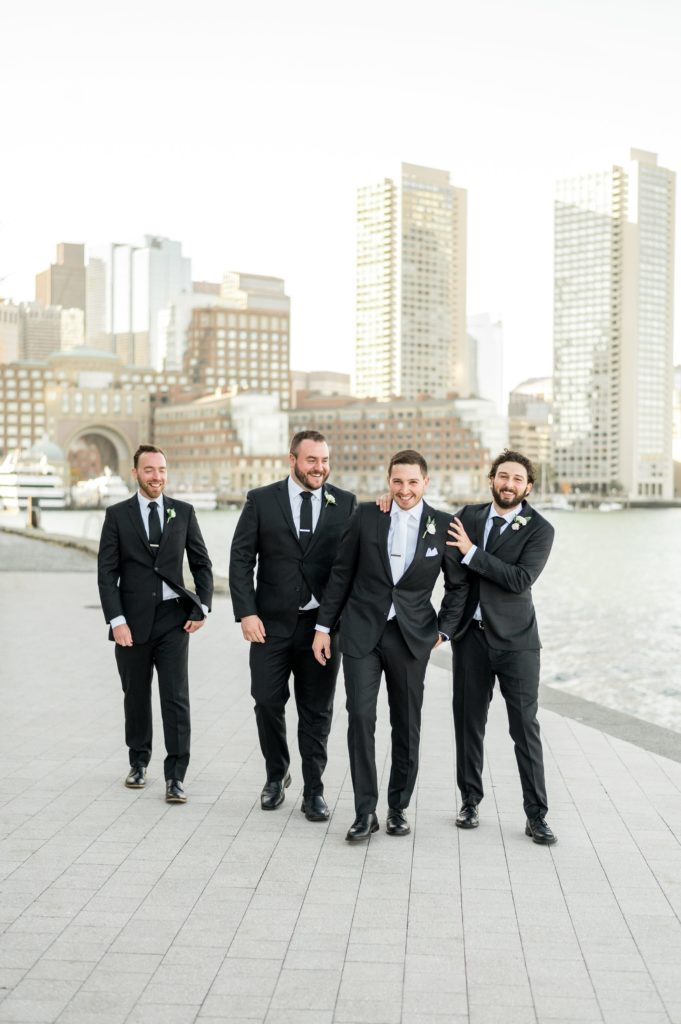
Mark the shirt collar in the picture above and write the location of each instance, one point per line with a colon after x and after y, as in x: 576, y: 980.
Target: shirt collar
x: 416, y: 512
x: 294, y: 489
x: 145, y: 502
x: 508, y: 516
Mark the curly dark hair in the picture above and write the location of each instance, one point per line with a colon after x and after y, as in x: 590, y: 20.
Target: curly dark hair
x: 509, y: 456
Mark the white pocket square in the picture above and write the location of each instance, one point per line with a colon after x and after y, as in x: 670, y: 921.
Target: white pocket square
x: 432, y: 551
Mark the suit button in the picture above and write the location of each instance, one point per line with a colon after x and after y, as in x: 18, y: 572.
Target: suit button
x: 154, y: 594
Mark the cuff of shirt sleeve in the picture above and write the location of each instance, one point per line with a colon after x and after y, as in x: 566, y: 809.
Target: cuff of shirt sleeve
x: 466, y: 560
x: 322, y: 629
x: 118, y: 621
x: 205, y: 609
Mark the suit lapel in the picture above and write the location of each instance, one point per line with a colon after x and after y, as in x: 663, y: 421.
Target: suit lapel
x: 421, y: 542
x: 285, y: 504
x: 167, y: 524
x: 136, y: 518
x: 480, y: 520
x: 509, y: 531
x: 382, y: 531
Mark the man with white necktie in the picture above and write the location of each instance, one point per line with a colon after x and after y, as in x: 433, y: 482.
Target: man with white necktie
x: 380, y: 589
x: 151, y: 614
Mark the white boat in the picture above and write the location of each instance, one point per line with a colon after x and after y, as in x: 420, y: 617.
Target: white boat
x: 610, y: 506
x: 100, y: 491
x: 203, y: 501
x: 553, y: 503
x: 24, y: 476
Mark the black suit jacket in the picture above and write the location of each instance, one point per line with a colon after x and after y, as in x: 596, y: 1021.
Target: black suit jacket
x: 361, y: 589
x: 503, y: 577
x: 129, y: 573
x: 266, y: 533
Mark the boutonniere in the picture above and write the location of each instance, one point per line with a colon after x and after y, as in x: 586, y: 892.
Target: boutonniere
x: 520, y: 521
x: 329, y: 498
x: 170, y: 514
x: 430, y: 527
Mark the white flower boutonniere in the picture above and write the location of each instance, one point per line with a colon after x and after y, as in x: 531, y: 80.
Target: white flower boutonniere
x: 170, y: 514
x: 430, y: 527
x: 520, y: 521
x: 329, y: 498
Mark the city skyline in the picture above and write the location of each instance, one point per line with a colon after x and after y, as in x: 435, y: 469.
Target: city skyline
x: 248, y: 141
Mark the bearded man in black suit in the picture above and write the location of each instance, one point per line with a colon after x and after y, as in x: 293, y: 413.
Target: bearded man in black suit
x: 292, y: 529
x: 151, y: 614
x: 380, y: 589
x: 505, y: 545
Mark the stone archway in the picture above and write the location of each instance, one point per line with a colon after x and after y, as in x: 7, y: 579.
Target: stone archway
x: 96, y: 448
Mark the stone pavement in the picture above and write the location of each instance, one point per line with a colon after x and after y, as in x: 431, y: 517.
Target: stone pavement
x: 116, y: 908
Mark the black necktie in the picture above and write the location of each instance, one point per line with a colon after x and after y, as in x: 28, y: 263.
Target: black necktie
x: 305, y: 519
x: 493, y: 536
x: 154, y: 527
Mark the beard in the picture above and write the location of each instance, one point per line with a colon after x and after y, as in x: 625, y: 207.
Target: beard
x: 305, y: 480
x: 507, y: 503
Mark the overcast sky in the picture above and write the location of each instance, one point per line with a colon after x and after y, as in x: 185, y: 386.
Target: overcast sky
x: 244, y: 130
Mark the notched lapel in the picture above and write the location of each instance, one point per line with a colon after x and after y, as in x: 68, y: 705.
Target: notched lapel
x: 283, y: 499
x: 136, y: 516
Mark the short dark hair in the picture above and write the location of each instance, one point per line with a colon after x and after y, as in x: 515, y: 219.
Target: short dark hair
x: 408, y: 457
x: 508, y: 456
x: 305, y: 435
x: 143, y: 448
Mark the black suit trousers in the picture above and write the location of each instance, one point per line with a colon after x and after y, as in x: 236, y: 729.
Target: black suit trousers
x: 167, y: 650
x: 476, y: 665
x: 404, y: 675
x: 272, y: 664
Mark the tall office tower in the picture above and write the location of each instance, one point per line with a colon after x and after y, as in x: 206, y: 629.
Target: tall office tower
x: 242, y: 343
x: 63, y: 283
x: 128, y: 288
x: 613, y: 318
x: 39, y: 330
x: 10, y: 331
x: 530, y: 415
x: 487, y: 358
x: 411, y: 287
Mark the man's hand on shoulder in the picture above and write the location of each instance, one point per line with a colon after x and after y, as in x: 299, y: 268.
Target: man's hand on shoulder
x: 461, y: 539
x: 252, y: 629
x: 384, y: 501
x: 122, y: 635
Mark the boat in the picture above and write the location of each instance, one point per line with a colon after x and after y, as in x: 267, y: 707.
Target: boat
x: 610, y: 506
x: 24, y: 476
x: 203, y: 501
x: 99, y: 491
x: 553, y: 503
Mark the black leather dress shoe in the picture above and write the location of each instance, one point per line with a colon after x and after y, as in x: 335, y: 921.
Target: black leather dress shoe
x: 397, y: 824
x: 316, y: 808
x: 137, y: 776
x: 175, y: 794
x: 273, y: 793
x: 540, y: 832
x: 468, y: 816
x: 362, y: 827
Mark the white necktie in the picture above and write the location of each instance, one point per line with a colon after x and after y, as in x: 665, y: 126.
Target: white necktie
x: 398, y: 549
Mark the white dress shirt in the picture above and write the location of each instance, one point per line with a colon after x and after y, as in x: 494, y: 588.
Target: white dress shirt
x: 509, y: 517
x: 412, y: 517
x: 294, y: 496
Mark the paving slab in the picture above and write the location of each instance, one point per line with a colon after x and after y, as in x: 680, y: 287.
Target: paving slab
x: 116, y: 908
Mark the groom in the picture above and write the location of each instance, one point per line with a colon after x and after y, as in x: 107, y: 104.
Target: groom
x: 505, y: 545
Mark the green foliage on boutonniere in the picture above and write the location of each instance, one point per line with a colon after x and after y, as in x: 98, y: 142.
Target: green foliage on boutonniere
x: 430, y: 527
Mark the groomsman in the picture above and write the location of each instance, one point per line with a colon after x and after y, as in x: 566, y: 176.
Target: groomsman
x: 505, y: 545
x: 150, y: 613
x: 380, y: 589
x: 292, y: 529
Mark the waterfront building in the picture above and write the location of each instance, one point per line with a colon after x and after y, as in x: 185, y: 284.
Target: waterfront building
x: 530, y: 417
x: 39, y: 330
x: 364, y: 433
x: 225, y: 444
x: 63, y: 283
x: 242, y: 343
x: 613, y: 315
x: 72, y: 329
x: 9, y: 331
x: 320, y: 382
x: 411, y: 287
x: 128, y: 287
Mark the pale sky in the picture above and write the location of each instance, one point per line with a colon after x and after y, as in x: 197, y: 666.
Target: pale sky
x: 244, y: 130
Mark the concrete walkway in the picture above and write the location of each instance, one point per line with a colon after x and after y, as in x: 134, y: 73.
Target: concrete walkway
x: 118, y: 909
